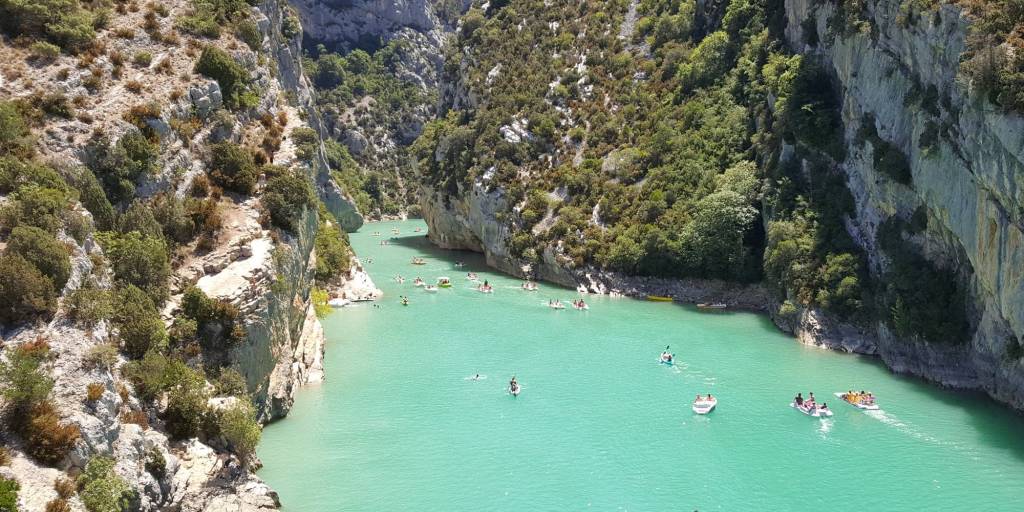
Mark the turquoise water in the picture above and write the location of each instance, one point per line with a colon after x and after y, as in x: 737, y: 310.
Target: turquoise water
x: 600, y: 425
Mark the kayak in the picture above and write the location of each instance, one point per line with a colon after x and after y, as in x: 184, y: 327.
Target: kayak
x: 659, y: 298
x: 865, y: 407
x: 705, y: 406
x: 813, y: 412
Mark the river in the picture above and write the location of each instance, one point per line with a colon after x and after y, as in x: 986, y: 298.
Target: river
x: 600, y: 425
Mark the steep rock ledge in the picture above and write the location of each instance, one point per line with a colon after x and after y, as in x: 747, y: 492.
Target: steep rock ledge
x: 970, y: 183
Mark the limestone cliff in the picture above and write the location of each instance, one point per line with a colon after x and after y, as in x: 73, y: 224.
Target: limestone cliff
x: 969, y: 182
x: 265, y: 274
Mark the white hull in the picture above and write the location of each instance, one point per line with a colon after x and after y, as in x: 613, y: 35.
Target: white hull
x: 814, y: 413
x: 338, y: 303
x: 704, y: 406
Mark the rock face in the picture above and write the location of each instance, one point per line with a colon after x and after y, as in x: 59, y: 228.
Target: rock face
x: 970, y: 183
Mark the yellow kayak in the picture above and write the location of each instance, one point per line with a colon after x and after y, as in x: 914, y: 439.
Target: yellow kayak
x: 659, y: 298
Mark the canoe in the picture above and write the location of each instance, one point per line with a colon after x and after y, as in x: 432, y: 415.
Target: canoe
x: 659, y: 298
x: 865, y: 407
x: 704, y: 406
x: 816, y: 412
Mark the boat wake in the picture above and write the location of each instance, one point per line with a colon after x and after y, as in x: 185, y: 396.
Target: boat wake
x: 908, y: 429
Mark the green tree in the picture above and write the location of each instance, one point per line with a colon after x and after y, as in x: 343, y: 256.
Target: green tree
x: 238, y: 425
x: 140, y: 261
x: 42, y: 250
x: 25, y: 293
x: 139, y: 324
x: 286, y: 198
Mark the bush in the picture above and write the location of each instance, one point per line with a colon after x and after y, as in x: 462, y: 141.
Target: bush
x: 139, y: 324
x: 118, y: 166
x: 139, y: 218
x: 94, y: 391
x: 65, y: 488
x: 89, y: 305
x: 215, y: 320
x: 229, y: 74
x: 42, y: 250
x: 143, y: 59
x: 8, y: 495
x: 58, y: 505
x: 250, y: 34
x: 233, y: 167
x: 333, y: 255
x: 63, y: 22
x: 239, y: 427
x: 103, y: 356
x: 186, y: 404
x: 23, y: 383
x: 101, y: 489
x: 140, y: 261
x: 286, y: 198
x: 94, y: 199
x: 231, y: 383
x: 44, y: 51
x: 25, y: 293
x: 15, y: 136
x: 46, y: 438
x: 156, y: 463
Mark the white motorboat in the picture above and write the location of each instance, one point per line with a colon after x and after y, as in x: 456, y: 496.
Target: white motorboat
x: 704, y: 406
x: 865, y: 403
x: 338, y: 303
x: 812, y: 410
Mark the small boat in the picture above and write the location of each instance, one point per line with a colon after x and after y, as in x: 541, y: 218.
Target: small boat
x: 659, y: 298
x: 530, y: 286
x: 459, y: 264
x: 705, y: 405
x: 712, y: 305
x: 472, y: 276
x: 419, y: 261
x: 865, y: 403
x: 814, y: 411
x: 338, y: 302
x: 418, y: 282
x: 485, y: 288
x: 581, y: 289
x: 514, y: 389
x: 580, y: 306
x: 444, y: 282
x: 430, y: 288
x: 556, y: 305
x: 405, y: 302
x: 667, y: 358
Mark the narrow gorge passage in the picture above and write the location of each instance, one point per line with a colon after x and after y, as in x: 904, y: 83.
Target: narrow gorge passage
x: 600, y: 424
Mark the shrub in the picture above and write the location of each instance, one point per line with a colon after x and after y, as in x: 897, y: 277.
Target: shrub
x: 23, y: 383
x: 215, y: 320
x: 94, y: 391
x: 186, y: 404
x: 143, y: 59
x: 94, y: 199
x: 65, y: 488
x: 320, y: 300
x: 5, y: 456
x: 25, y: 293
x: 15, y: 137
x: 101, y: 489
x: 250, y: 34
x: 156, y: 463
x: 139, y: 218
x: 63, y: 22
x: 237, y: 423
x: 46, y: 438
x: 229, y: 74
x: 139, y: 324
x: 233, y: 167
x: 286, y: 197
x: 333, y: 255
x: 58, y: 505
x: 291, y: 27
x: 230, y: 382
x: 140, y: 261
x: 9, y: 495
x: 42, y: 250
x: 44, y: 51
x: 41, y: 207
x: 103, y: 356
x: 118, y: 166
x: 16, y: 173
x: 89, y: 305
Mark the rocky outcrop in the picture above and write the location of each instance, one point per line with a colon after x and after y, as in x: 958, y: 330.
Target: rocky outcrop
x: 968, y: 179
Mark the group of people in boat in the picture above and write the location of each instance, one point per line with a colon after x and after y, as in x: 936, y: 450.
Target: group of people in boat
x: 529, y: 286
x: 809, y: 403
x: 419, y: 261
x: 555, y: 303
x: 708, y: 398
x: 863, y: 397
x: 486, y: 287
x: 418, y: 281
x: 472, y: 276
x: 579, y: 304
x: 513, y: 386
